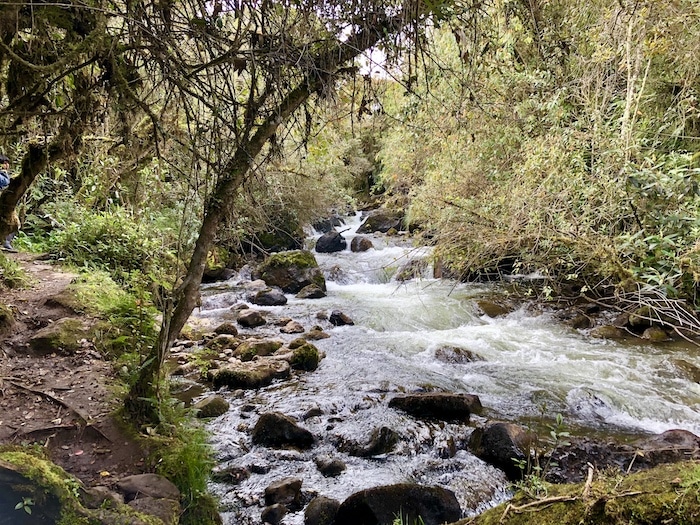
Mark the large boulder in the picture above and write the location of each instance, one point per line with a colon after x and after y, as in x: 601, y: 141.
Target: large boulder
x: 276, y: 430
x: 438, y: 405
x: 291, y: 271
x: 381, y: 221
x: 503, y: 445
x: 410, y: 502
x: 331, y: 242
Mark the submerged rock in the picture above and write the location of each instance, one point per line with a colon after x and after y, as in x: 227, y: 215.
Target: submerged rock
x: 440, y: 405
x: 407, y: 501
x: 360, y: 244
x: 275, y: 430
x: 382, y: 441
x: 456, y: 355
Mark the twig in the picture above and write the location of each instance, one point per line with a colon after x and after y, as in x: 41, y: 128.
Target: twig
x: 589, y: 481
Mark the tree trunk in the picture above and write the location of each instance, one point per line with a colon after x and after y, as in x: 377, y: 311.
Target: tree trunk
x: 143, y: 398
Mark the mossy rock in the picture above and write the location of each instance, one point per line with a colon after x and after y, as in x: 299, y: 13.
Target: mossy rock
x: 305, y: 357
x: 65, y: 336
x: 665, y: 494
x: 291, y: 271
x: 251, y: 348
x: 51, y: 494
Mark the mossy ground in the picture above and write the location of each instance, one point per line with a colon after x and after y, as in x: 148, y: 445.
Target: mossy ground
x: 666, y: 494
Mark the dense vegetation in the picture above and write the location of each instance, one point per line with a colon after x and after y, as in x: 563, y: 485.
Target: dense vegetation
x: 558, y: 137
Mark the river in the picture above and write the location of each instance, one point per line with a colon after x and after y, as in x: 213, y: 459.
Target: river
x: 532, y: 365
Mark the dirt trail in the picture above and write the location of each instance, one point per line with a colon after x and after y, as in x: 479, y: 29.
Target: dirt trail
x: 64, y: 403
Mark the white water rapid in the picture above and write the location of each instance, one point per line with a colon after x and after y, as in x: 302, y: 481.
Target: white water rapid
x: 530, y: 364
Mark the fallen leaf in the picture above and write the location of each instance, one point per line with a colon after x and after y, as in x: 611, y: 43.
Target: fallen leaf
x: 104, y: 474
x: 78, y: 453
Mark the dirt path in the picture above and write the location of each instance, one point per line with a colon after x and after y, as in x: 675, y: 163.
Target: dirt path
x: 64, y: 403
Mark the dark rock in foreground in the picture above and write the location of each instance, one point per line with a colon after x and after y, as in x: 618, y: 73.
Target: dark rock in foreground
x: 382, y: 505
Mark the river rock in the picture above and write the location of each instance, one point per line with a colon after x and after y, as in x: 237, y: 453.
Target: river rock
x: 305, y: 357
x: 275, y: 430
x: 492, y: 308
x: 232, y: 475
x: 250, y: 318
x: 252, y: 348
x: 273, y: 514
x: 338, y: 318
x: 381, y: 221
x: 321, y: 511
x: 316, y: 334
x: 291, y: 271
x: 292, y: 327
x: 655, y: 334
x: 269, y: 297
x: 227, y: 328
x: 222, y: 342
x: 331, y: 242
x: 330, y: 467
x: 609, y: 332
x: 382, y: 441
x: 250, y: 375
x: 360, y: 244
x: 327, y: 225
x: 311, y: 291
x: 500, y: 444
x: 456, y: 355
x: 285, y: 491
x: 167, y: 510
x: 438, y: 405
x: 212, y: 406
x: 411, y: 502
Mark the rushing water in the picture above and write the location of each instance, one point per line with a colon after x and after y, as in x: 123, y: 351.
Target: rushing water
x: 530, y: 364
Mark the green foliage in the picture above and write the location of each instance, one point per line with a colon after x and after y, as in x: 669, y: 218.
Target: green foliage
x: 562, y: 140
x: 131, y: 327
x: 11, y: 273
x: 113, y: 240
x: 185, y: 458
x: 538, y: 462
